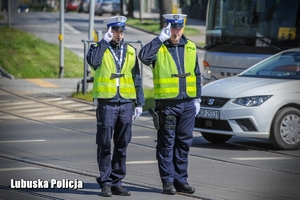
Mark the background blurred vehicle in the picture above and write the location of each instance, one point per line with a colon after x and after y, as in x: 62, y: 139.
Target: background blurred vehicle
x: 108, y: 6
x: 261, y: 102
x: 84, y: 6
x: 23, y: 8
x: 239, y: 34
x: 98, y: 10
x: 72, y: 5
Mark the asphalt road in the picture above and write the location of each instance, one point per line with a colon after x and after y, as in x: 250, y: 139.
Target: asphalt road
x: 48, y: 138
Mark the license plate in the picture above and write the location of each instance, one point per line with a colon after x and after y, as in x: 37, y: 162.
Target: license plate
x: 210, y: 114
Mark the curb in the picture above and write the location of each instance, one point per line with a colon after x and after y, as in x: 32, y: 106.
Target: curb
x: 4, y: 74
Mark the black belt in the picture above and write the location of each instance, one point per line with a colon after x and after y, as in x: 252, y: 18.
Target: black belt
x: 118, y: 75
x: 181, y: 75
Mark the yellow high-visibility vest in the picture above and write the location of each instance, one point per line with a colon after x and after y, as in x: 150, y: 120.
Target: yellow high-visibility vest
x: 105, y: 87
x: 166, y: 86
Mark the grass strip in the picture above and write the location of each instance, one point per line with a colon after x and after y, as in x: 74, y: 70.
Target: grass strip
x: 25, y: 56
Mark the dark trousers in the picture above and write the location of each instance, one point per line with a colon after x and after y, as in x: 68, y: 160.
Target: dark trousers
x: 173, y: 144
x: 114, y: 121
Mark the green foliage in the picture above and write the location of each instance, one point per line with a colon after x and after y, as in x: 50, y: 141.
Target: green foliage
x: 34, y: 7
x: 25, y: 56
x: 148, y: 25
x: 86, y: 97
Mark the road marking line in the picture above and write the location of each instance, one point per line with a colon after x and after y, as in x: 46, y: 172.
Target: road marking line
x: 140, y: 137
x: 262, y: 158
x: 71, y: 28
x: 65, y: 117
x: 16, y: 141
x: 17, y: 168
x: 42, y: 83
x: 141, y: 162
x: 14, y: 103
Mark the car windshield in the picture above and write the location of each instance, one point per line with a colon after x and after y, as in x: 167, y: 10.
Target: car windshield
x: 284, y: 65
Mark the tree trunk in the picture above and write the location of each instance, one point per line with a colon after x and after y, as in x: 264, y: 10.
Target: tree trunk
x: 130, y: 9
x: 121, y: 7
x: 165, y: 8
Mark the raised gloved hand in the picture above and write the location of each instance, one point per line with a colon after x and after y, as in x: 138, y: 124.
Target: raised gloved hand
x: 197, y: 106
x: 165, y: 33
x: 108, y: 35
x: 137, y: 112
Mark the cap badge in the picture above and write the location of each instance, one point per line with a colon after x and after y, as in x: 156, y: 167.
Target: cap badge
x: 119, y: 19
x: 176, y: 17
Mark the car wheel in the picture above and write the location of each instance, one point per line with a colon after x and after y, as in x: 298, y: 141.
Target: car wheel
x: 285, y: 129
x: 216, y: 138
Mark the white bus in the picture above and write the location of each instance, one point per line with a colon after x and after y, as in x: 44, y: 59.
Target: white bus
x: 240, y: 33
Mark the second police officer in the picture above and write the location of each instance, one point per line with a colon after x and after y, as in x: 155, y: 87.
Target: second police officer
x: 117, y: 85
x: 177, y: 91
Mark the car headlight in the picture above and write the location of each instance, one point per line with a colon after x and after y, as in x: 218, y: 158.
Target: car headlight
x: 251, y: 101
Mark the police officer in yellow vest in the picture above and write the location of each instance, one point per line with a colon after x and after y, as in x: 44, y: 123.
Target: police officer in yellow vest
x: 177, y: 87
x: 117, y: 86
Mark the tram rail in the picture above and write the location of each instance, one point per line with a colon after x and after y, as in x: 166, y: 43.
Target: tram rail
x: 136, y: 123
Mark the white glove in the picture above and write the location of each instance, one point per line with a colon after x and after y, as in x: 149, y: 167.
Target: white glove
x: 108, y: 35
x: 197, y: 106
x: 137, y: 112
x: 165, y: 33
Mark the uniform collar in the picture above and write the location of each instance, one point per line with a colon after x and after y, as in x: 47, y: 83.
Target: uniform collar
x: 115, y: 45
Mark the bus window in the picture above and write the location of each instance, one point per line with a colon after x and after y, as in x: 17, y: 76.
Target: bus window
x: 240, y: 33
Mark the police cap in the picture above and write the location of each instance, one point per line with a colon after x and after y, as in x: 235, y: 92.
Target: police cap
x: 116, y: 22
x: 176, y: 20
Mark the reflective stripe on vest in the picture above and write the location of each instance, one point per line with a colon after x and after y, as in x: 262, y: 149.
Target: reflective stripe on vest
x: 166, y: 86
x: 105, y: 87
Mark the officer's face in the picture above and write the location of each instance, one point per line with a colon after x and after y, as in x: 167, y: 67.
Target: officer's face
x: 118, y: 35
x: 176, y: 34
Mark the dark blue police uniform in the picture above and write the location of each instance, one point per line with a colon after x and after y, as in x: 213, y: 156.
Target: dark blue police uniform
x: 114, y: 120
x: 177, y: 116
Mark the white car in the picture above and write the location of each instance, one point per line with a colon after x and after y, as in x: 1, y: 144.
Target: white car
x: 261, y: 102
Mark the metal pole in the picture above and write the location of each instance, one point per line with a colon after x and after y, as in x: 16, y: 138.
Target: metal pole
x: 142, y: 66
x: 85, y: 65
x: 99, y: 35
x: 91, y: 19
x: 91, y: 26
x: 141, y: 10
x: 8, y: 13
x: 84, y: 83
x: 61, y: 39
